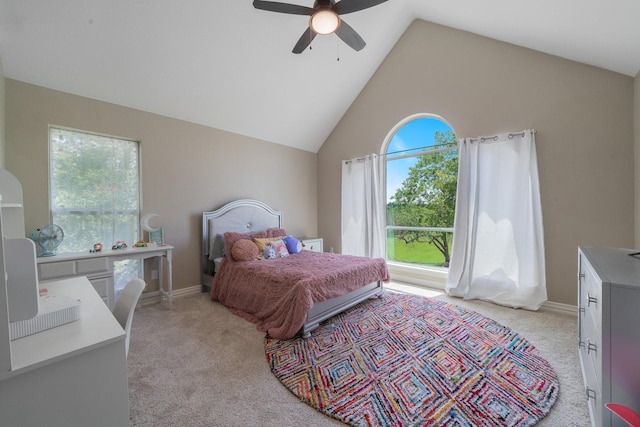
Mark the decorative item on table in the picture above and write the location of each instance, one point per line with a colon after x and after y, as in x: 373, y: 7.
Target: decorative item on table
x: 120, y: 244
x: 48, y: 238
x: 140, y: 244
x: 155, y: 233
x: 96, y: 248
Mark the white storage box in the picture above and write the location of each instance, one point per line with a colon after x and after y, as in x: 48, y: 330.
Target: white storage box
x: 55, y: 310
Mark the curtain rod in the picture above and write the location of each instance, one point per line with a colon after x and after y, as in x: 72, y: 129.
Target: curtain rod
x: 425, y: 150
x: 442, y: 148
x: 495, y: 137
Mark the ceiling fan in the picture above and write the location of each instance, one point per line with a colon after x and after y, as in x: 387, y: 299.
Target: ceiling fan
x: 324, y: 19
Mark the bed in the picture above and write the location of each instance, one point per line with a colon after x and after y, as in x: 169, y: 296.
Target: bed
x: 287, y: 295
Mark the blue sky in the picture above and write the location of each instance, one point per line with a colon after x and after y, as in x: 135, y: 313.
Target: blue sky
x: 414, y: 134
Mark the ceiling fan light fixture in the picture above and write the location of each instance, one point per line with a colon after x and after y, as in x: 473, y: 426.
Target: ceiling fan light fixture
x: 324, y: 21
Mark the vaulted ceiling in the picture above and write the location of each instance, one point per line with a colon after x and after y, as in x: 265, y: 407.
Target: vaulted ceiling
x: 224, y: 64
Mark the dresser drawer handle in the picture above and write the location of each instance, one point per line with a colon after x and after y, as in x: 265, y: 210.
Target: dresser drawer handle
x: 581, y: 310
x: 581, y: 275
x: 592, y: 347
x: 590, y: 300
x: 591, y: 394
x: 580, y: 344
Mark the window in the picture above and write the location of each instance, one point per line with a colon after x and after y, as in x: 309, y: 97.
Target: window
x: 95, y: 192
x: 421, y: 184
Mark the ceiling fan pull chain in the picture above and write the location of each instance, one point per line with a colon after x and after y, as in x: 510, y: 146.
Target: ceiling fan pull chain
x: 337, y: 50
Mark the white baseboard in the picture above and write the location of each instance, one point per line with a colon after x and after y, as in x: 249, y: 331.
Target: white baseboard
x: 559, y: 307
x: 154, y: 297
x: 435, y: 280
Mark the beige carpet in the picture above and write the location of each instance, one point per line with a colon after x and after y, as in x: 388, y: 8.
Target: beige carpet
x: 199, y: 365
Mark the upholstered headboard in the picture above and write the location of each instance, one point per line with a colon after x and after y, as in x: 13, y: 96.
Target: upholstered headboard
x: 240, y: 216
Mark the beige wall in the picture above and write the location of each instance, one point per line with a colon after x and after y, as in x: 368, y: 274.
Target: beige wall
x: 186, y: 168
x: 1, y: 115
x: 583, y: 115
x: 636, y: 121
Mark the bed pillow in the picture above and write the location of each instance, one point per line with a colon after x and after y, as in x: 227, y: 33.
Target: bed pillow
x: 244, y: 250
x: 280, y: 248
x: 293, y: 245
x: 276, y: 232
x: 262, y: 243
x: 230, y: 237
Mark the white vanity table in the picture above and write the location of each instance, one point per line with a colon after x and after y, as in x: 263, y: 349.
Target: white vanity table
x: 98, y: 268
x: 70, y: 375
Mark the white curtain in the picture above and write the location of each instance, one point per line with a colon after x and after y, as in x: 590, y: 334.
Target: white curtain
x: 498, y: 244
x: 362, y: 207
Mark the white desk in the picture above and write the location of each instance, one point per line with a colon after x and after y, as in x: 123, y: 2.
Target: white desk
x: 98, y: 268
x: 71, y: 375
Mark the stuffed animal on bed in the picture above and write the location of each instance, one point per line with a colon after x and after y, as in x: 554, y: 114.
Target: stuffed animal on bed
x: 269, y: 252
x: 293, y: 245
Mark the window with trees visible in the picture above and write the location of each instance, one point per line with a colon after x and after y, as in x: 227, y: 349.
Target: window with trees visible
x: 95, y: 193
x: 94, y: 188
x: 421, y: 185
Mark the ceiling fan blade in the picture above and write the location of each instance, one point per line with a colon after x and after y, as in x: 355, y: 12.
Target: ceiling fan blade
x: 273, y: 6
x: 348, y: 6
x: 304, y: 41
x: 350, y: 37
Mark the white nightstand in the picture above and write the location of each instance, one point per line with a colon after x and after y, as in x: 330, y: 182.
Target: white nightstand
x: 312, y: 244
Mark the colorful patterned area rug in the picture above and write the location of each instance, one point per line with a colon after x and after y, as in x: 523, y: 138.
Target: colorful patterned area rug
x: 405, y: 360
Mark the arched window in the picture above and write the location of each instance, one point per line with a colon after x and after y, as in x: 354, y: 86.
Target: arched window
x: 421, y: 183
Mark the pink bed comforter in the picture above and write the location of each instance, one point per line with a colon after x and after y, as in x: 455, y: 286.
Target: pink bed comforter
x: 276, y: 294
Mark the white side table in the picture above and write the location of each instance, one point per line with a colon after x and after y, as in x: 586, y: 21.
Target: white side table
x: 314, y: 244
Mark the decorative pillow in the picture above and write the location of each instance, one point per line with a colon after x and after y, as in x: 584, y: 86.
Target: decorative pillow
x: 231, y: 237
x: 265, y: 242
x: 280, y: 248
x: 244, y: 250
x: 293, y: 245
x: 276, y: 232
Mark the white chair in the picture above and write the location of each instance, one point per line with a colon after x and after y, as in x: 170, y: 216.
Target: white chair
x: 126, y: 304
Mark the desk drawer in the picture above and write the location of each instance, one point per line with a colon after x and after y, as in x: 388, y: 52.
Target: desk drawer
x: 71, y: 268
x: 101, y: 285
x: 96, y: 265
x: 54, y: 270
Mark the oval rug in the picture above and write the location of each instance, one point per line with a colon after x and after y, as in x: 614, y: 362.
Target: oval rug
x: 406, y: 360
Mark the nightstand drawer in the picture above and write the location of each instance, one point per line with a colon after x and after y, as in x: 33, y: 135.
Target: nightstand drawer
x: 314, y: 244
